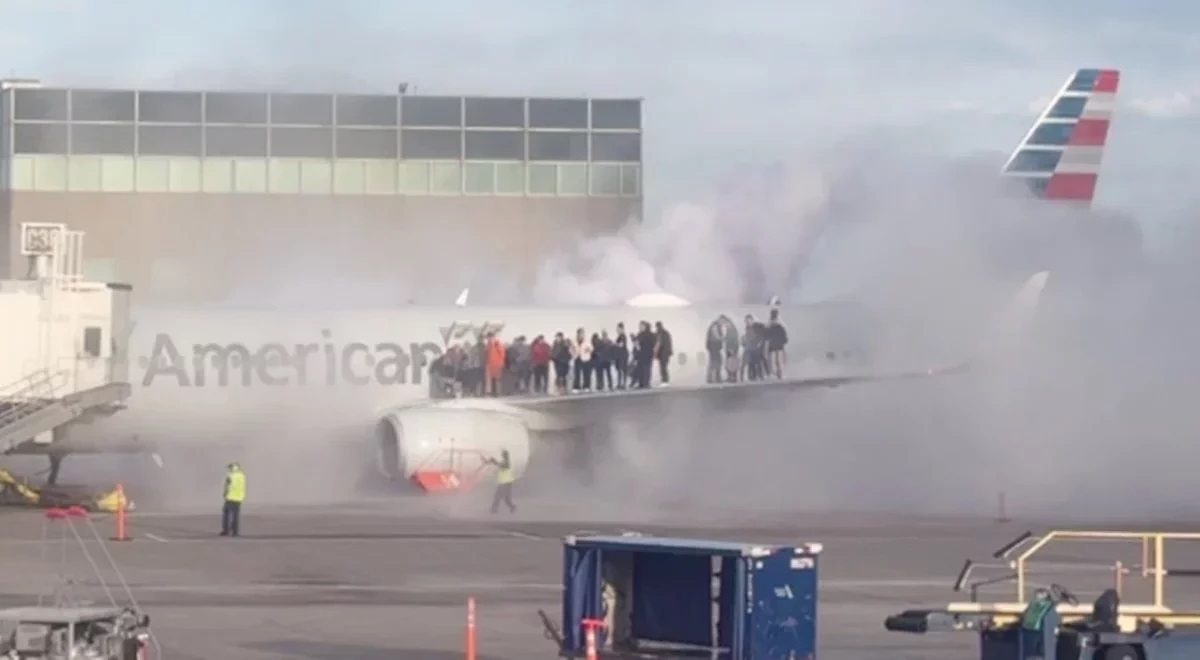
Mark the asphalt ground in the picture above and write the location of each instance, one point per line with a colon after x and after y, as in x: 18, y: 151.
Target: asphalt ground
x: 390, y: 579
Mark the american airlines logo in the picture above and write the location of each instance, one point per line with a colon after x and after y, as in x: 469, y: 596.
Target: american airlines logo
x: 326, y: 362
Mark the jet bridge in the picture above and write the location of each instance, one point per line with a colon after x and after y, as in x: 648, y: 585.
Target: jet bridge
x: 64, y: 357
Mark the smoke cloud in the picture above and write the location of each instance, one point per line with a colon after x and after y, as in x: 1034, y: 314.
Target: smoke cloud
x: 1087, y: 415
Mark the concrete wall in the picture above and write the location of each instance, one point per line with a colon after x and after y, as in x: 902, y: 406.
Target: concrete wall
x: 208, y: 248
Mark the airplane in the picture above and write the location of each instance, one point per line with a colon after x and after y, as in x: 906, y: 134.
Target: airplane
x: 203, y: 374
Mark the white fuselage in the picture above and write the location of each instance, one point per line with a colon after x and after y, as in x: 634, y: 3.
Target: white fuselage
x: 211, y: 375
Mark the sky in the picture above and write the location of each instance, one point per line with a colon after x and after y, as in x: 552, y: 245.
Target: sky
x: 728, y: 87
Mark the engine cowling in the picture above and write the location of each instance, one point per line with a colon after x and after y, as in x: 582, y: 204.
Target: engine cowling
x: 458, y: 438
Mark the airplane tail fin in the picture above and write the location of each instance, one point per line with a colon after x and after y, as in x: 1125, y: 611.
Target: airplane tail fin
x: 1059, y: 158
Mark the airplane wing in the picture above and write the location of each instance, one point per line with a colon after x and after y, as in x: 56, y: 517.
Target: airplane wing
x: 1012, y: 324
x: 597, y: 402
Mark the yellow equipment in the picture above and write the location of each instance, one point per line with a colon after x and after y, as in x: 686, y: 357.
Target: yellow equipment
x: 15, y: 490
x: 1018, y: 555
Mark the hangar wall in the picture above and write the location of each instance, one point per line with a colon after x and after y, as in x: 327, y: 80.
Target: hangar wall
x: 197, y: 197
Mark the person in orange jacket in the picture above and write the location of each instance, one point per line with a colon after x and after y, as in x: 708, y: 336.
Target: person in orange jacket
x: 495, y: 364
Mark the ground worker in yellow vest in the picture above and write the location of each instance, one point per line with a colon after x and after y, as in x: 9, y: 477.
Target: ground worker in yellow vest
x: 235, y: 492
x: 504, y: 481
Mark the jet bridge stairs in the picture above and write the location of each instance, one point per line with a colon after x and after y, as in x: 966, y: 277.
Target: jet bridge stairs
x: 34, y: 406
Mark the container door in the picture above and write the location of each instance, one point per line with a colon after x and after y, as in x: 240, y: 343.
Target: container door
x: 784, y: 616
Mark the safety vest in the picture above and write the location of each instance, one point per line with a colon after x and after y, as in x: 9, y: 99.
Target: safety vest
x: 506, y: 475
x: 235, y: 491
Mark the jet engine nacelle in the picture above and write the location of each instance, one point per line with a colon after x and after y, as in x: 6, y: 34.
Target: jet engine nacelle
x: 454, y: 437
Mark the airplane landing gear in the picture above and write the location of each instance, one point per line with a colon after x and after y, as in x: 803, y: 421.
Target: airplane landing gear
x: 55, y: 465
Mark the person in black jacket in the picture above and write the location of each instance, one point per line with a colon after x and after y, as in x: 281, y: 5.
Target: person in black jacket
x: 602, y: 360
x: 755, y: 350
x: 560, y: 355
x: 777, y: 340
x: 663, y: 350
x: 644, y: 354
x: 621, y: 356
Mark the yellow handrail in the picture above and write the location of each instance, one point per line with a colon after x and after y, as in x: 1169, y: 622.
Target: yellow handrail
x: 1153, y: 554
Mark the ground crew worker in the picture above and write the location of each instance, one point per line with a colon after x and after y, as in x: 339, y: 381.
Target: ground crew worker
x: 504, y: 481
x: 235, y: 492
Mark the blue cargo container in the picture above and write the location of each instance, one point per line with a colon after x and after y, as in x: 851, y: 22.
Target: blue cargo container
x: 681, y: 596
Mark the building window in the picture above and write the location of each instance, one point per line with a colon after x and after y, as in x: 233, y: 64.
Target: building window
x: 479, y: 178
x: 495, y: 112
x: 359, y: 110
x: 170, y: 107
x: 235, y: 108
x: 434, y: 111
x: 558, y: 146
x: 619, y: 147
x: 40, y: 104
x: 424, y: 144
x: 380, y: 143
x: 287, y: 142
x: 495, y: 145
x: 558, y: 113
x: 97, y: 105
x: 235, y: 142
x: 170, y: 141
x: 40, y: 138
x: 617, y: 113
x: 309, y: 109
x: 102, y: 139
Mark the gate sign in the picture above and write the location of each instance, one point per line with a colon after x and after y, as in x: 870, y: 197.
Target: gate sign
x: 37, y: 238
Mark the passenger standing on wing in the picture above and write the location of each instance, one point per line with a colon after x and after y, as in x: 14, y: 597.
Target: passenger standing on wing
x: 522, y: 367
x: 456, y: 355
x: 732, y: 345
x: 760, y: 348
x: 663, y: 350
x: 560, y: 353
x: 583, y: 361
x: 504, y: 481
x: 714, y: 343
x: 472, y: 373
x: 602, y: 359
x: 438, y: 384
x: 235, y: 494
x: 645, y: 354
x: 777, y: 340
x: 752, y: 347
x: 496, y: 355
x: 621, y: 357
x: 539, y: 358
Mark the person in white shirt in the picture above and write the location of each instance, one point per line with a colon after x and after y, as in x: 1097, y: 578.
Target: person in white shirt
x: 583, y: 361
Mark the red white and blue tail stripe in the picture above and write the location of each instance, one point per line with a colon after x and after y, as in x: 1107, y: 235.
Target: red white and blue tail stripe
x: 1060, y: 156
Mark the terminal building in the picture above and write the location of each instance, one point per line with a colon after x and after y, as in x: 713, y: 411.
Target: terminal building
x: 197, y: 197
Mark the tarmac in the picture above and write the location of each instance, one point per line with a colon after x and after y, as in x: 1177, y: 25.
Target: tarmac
x: 391, y: 579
